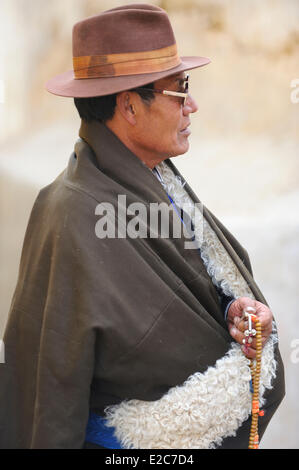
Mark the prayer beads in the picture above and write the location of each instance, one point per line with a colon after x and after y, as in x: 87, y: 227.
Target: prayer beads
x: 255, y: 367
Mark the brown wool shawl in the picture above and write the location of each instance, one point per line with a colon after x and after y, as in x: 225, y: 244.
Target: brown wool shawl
x: 94, y: 322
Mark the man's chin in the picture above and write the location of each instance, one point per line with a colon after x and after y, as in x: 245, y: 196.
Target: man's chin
x: 182, y: 149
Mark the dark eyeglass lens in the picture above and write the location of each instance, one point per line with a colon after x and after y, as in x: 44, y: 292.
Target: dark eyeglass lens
x: 187, y: 84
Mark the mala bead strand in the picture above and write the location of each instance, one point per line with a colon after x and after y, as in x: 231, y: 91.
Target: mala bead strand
x: 255, y: 367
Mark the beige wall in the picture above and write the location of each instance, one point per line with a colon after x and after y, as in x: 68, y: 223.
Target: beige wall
x: 243, y: 160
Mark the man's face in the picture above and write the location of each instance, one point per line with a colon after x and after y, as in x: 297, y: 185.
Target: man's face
x: 162, y: 128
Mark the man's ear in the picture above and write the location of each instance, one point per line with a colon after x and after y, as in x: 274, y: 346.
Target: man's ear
x: 127, y: 107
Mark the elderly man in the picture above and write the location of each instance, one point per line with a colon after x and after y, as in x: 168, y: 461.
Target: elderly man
x: 119, y: 335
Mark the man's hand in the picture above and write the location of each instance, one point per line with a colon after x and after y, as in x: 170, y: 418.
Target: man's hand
x: 237, y: 326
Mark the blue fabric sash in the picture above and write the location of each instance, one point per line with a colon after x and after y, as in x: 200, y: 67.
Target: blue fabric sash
x: 98, y: 433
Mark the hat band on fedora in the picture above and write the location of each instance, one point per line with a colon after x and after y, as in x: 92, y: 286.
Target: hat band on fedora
x: 129, y: 63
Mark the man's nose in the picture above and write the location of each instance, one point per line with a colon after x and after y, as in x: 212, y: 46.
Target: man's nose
x: 190, y: 106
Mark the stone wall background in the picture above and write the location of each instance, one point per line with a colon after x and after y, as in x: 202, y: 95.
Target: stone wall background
x: 243, y: 160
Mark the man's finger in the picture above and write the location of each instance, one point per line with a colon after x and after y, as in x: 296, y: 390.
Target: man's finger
x: 242, y: 325
x: 244, y: 302
x: 237, y: 335
x: 249, y: 352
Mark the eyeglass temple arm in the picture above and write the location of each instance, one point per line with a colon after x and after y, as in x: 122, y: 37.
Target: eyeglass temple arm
x: 173, y: 93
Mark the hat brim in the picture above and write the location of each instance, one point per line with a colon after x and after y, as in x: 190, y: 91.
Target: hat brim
x: 66, y: 85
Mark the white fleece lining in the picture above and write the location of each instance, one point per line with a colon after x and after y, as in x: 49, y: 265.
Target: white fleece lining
x: 208, y: 406
x: 220, y: 267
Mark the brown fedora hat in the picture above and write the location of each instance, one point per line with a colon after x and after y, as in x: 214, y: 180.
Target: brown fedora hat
x: 120, y: 49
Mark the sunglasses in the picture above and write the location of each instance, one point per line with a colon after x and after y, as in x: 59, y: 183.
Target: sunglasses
x: 182, y: 95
